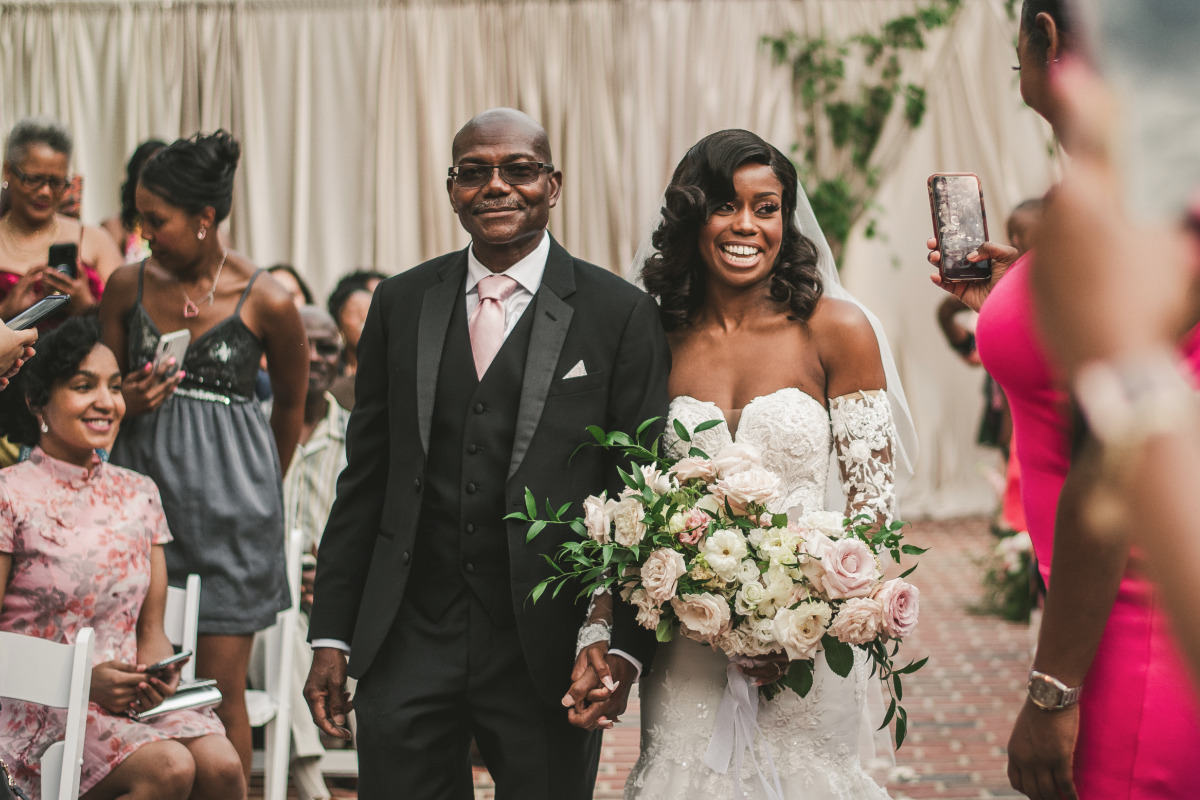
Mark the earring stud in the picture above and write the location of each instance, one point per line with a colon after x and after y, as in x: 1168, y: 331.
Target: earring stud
x: 200, y: 234
x: 45, y: 427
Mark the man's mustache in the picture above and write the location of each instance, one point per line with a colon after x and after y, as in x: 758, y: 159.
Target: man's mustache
x: 483, y: 208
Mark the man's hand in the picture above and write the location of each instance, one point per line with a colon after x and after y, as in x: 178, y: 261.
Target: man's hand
x: 1040, y: 752
x: 600, y: 685
x: 325, y: 691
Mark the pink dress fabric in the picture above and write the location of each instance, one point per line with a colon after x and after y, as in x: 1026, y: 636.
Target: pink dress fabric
x: 1139, y: 730
x: 80, y: 544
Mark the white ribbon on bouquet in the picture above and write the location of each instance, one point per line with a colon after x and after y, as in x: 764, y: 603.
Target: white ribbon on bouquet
x: 735, y: 730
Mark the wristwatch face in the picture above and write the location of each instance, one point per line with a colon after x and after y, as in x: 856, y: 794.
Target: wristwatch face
x: 1044, y: 694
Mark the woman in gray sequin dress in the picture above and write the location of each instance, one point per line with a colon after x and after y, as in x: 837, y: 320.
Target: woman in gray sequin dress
x: 195, y: 427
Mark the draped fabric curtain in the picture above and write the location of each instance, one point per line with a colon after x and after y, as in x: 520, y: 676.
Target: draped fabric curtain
x: 346, y: 110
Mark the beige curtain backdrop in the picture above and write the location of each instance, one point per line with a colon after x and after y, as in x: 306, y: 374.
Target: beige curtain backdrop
x: 346, y: 110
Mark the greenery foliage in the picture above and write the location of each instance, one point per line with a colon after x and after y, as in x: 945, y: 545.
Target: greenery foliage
x: 843, y: 124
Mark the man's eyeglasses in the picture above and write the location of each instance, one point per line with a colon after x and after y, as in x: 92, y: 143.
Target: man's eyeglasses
x: 326, y: 348
x: 515, y: 173
x: 35, y: 182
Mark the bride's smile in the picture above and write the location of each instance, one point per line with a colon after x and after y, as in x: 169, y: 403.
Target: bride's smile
x: 740, y: 241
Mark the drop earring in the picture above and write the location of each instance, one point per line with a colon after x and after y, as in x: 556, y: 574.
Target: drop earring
x: 4, y: 185
x: 200, y: 234
x: 45, y: 427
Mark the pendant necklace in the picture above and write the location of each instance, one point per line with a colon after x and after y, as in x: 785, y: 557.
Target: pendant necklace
x: 191, y: 308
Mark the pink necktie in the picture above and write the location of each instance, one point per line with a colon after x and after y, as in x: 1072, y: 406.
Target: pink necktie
x: 487, y: 320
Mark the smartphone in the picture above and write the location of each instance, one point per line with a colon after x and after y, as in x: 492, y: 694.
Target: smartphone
x: 171, y: 344
x: 159, y: 666
x: 64, y: 258
x: 960, y: 224
x: 38, y: 311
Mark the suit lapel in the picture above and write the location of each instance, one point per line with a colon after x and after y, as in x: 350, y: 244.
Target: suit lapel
x: 551, y: 321
x: 436, y: 307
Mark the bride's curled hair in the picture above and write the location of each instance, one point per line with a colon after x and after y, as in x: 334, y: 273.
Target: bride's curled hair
x: 702, y: 182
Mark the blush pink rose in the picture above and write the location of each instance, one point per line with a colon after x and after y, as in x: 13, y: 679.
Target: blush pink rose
x: 598, y: 517
x: 693, y: 468
x: 703, y: 616
x: 858, y: 621
x: 661, y: 573
x: 753, y: 485
x: 736, y: 458
x: 695, y: 526
x: 850, y: 569
x: 901, y: 604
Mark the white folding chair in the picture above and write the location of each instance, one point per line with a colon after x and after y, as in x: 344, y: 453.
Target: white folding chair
x: 58, y: 675
x: 272, y: 709
x: 181, y: 619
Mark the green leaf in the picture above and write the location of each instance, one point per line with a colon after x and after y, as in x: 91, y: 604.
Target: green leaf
x: 704, y: 426
x: 538, y: 590
x: 530, y: 504
x: 908, y: 571
x: 912, y: 549
x: 681, y: 431
x: 799, y: 677
x: 534, y: 530
x: 901, y: 727
x: 518, y: 516
x: 578, y: 526
x: 891, y: 712
x: 597, y: 433
x: 897, y: 686
x: 779, y: 520
x: 696, y: 452
x: 838, y: 654
x: 641, y: 428
x: 664, y: 630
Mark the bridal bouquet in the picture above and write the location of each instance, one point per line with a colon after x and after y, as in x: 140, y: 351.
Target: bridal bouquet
x: 690, y: 543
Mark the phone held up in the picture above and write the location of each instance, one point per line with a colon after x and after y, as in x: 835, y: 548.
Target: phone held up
x: 38, y: 311
x: 959, y: 224
x: 171, y: 344
x: 64, y: 258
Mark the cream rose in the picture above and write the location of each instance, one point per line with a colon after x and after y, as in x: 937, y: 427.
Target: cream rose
x: 748, y: 597
x: 648, y: 613
x: 598, y: 517
x: 705, y: 615
x: 858, y: 621
x: 901, y: 604
x: 656, y: 480
x: 850, y: 569
x: 661, y: 573
x: 830, y: 523
x: 800, y: 629
x: 694, y: 468
x: 628, y: 516
x: 753, y: 485
x: 724, y: 551
x: 737, y: 458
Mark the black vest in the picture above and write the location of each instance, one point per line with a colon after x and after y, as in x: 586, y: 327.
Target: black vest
x: 462, y: 538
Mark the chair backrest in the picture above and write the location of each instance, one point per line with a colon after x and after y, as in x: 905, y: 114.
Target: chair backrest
x: 181, y: 620
x: 58, y: 675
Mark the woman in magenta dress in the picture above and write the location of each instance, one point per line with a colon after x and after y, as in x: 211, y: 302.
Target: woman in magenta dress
x: 81, y: 545
x: 1135, y: 732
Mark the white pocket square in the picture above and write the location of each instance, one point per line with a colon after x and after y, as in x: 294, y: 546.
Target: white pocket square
x: 577, y: 371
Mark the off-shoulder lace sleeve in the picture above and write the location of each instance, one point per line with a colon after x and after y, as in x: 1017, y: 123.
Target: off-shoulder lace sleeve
x: 864, y: 438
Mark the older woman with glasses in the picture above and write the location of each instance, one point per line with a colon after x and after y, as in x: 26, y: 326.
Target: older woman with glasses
x: 36, y: 161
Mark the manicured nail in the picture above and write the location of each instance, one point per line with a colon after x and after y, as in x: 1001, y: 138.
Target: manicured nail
x: 149, y: 366
x: 608, y: 682
x: 567, y: 700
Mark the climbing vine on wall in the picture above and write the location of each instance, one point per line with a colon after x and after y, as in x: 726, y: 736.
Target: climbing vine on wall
x: 842, y: 122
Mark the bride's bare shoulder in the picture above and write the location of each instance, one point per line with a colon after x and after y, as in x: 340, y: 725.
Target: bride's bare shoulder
x: 842, y: 333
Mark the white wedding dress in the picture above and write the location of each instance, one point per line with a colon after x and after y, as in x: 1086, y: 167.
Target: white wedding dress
x: 819, y: 743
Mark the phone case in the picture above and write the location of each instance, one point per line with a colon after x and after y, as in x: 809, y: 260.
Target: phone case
x: 37, y: 312
x: 959, y: 224
x: 64, y: 257
x: 174, y: 344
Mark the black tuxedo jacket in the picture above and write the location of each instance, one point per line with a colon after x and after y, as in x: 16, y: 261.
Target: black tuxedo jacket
x: 581, y: 313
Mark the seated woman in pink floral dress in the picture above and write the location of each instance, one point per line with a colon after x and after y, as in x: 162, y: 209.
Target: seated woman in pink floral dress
x: 81, y: 545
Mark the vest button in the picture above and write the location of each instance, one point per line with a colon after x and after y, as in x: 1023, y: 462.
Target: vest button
x: 479, y: 408
x: 417, y: 485
x: 406, y: 557
x: 471, y: 488
x: 472, y: 449
x: 469, y: 528
x: 470, y: 568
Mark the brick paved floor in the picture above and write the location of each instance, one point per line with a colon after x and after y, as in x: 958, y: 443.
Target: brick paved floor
x: 960, y: 705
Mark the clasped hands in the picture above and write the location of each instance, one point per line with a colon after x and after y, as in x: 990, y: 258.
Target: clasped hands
x: 124, y: 688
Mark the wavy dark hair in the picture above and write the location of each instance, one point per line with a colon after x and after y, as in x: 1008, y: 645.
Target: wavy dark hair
x: 138, y: 160
x: 702, y: 182
x: 195, y: 173
x: 59, y: 354
x: 347, y: 285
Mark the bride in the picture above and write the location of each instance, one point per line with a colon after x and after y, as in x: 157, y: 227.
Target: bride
x: 764, y: 338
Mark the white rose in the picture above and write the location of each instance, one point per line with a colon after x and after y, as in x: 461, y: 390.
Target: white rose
x: 830, y: 523
x: 748, y: 571
x: 661, y: 573
x: 598, y: 516
x: 753, y: 485
x: 858, y: 621
x: 648, y: 614
x: 694, y: 468
x: 756, y: 536
x: 800, y: 629
x: 724, y: 551
x: 656, y: 480
x: 764, y: 632
x: 736, y: 458
x: 627, y: 520
x: 779, y: 546
x: 705, y: 615
x: 748, y: 597
x: 850, y: 569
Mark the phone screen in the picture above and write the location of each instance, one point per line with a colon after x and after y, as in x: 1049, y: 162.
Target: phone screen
x: 37, y: 312
x: 959, y: 224
x: 63, y: 257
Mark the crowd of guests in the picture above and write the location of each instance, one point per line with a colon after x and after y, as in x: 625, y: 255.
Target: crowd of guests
x: 126, y: 443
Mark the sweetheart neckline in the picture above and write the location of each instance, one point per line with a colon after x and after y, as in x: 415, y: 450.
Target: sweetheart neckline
x: 733, y: 433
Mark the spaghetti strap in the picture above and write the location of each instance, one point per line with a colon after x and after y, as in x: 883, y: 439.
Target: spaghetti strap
x: 141, y: 280
x: 237, y: 312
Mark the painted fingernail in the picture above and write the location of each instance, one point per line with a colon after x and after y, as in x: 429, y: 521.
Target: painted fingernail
x: 567, y: 700
x: 608, y: 682
x: 148, y: 367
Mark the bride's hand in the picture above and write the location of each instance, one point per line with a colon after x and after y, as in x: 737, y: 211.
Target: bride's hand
x: 591, y: 684
x: 973, y: 293
x: 766, y: 669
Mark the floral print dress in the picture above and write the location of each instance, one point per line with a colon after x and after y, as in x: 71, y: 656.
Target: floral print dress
x: 80, y: 540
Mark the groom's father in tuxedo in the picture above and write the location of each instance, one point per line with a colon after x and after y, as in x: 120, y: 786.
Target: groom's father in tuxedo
x: 478, y: 374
